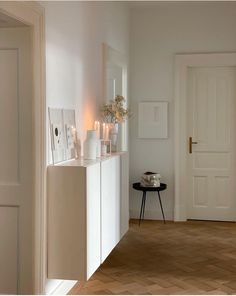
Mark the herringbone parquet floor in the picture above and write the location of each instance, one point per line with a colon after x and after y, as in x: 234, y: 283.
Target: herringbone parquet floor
x: 177, y: 258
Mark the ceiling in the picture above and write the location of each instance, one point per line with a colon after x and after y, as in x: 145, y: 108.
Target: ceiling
x: 9, y: 22
x: 165, y: 3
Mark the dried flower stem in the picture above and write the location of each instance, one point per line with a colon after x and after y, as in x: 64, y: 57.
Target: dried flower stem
x: 115, y: 111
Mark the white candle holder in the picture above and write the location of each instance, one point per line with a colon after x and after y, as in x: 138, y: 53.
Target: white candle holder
x: 105, y: 147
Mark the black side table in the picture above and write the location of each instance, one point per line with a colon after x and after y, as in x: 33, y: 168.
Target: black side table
x: 137, y: 186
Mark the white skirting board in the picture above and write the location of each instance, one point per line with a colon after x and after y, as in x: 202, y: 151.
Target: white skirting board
x: 59, y: 287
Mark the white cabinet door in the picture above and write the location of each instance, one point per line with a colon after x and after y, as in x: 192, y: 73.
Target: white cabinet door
x: 93, y: 219
x: 124, y: 196
x: 66, y: 194
x: 74, y: 232
x: 110, y: 205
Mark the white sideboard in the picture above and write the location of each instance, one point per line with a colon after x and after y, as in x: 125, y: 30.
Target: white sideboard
x: 88, y: 204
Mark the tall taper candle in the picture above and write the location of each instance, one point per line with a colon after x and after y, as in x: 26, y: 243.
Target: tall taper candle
x: 98, y: 129
x: 103, y: 130
x: 107, y: 132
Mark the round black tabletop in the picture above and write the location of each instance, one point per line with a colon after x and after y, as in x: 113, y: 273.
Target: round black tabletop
x: 139, y: 187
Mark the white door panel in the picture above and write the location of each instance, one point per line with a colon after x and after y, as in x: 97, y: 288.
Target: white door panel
x: 16, y: 169
x: 9, y: 169
x: 211, y: 122
x: 9, y: 250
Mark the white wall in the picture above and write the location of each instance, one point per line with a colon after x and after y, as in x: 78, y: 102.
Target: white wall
x: 158, y: 32
x: 75, y: 32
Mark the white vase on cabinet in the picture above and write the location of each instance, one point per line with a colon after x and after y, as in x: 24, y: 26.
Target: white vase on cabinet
x: 90, y: 145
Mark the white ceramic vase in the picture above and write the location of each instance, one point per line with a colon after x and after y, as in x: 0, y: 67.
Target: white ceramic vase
x: 90, y: 145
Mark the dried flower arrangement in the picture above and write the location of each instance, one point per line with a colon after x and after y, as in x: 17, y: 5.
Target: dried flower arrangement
x: 115, y: 111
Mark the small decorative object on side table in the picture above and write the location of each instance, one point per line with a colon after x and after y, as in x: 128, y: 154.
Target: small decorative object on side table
x: 150, y: 179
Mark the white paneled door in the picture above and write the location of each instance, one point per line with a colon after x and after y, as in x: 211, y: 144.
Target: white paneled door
x: 212, y: 125
x: 16, y: 178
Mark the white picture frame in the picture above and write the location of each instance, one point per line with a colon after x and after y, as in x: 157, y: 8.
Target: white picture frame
x: 70, y: 133
x: 58, y: 141
x: 69, y: 136
x: 63, y: 134
x: 153, y: 120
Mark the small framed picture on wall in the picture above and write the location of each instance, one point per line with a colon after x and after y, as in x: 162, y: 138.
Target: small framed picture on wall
x: 153, y: 120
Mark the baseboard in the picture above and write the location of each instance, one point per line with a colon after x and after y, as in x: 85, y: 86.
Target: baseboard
x: 63, y: 288
x: 179, y: 213
x: 151, y: 215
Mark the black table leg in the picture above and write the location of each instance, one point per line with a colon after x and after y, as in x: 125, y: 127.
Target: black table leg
x: 144, y: 203
x: 161, y: 207
x: 141, y: 210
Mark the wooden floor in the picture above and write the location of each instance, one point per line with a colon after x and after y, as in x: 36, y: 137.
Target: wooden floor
x: 177, y: 258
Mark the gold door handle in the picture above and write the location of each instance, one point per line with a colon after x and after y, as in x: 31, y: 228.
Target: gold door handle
x: 191, y: 144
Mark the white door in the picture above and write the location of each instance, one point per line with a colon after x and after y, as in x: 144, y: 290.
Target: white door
x: 16, y: 179
x: 212, y: 124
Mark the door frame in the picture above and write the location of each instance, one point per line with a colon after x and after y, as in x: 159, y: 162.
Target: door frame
x: 182, y: 62
x: 32, y: 14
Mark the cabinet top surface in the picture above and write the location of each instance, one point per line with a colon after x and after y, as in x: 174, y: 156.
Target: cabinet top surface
x: 81, y: 162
